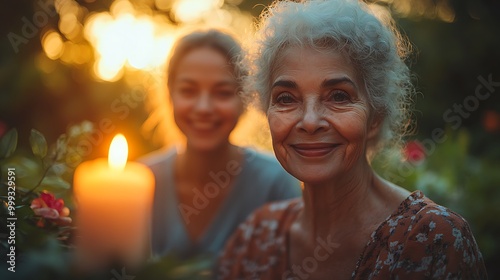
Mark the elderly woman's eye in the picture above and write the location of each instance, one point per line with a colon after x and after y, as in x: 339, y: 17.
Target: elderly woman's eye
x: 284, y: 98
x: 339, y: 96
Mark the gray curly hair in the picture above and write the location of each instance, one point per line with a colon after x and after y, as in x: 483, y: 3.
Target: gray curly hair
x: 373, y: 45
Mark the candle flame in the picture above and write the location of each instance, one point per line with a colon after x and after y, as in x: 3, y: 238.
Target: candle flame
x: 118, y: 152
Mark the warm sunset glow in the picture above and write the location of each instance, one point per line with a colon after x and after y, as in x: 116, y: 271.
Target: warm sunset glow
x: 191, y: 10
x: 126, y: 37
x: 118, y: 152
x: 129, y: 37
x: 126, y: 40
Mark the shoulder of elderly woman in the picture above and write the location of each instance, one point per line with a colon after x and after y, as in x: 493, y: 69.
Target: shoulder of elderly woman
x: 421, y: 239
x: 446, y: 241
x: 424, y: 239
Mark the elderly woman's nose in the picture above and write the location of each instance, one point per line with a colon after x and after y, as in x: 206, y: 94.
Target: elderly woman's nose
x: 312, y: 118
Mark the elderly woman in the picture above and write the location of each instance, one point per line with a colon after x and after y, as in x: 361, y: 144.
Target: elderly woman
x: 333, y: 82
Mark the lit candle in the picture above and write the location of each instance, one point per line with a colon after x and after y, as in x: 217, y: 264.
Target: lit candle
x: 114, y: 199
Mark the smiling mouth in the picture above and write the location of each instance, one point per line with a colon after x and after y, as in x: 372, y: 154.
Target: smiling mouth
x: 204, y: 126
x: 314, y: 149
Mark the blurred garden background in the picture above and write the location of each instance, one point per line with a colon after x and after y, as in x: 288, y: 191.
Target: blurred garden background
x: 78, y: 72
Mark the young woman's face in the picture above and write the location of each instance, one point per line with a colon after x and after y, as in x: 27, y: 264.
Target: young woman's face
x: 319, y: 115
x: 205, y: 99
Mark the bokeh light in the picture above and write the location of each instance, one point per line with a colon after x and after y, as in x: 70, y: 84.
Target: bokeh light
x: 53, y: 45
x: 131, y: 41
x: 126, y: 40
x: 192, y: 10
x: 430, y: 9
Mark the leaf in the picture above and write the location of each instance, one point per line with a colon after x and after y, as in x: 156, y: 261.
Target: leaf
x: 28, y: 170
x: 24, y: 212
x: 61, y: 146
x: 38, y: 143
x: 170, y: 267
x: 8, y: 143
x: 54, y: 184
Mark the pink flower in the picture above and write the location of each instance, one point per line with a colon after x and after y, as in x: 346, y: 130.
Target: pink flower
x: 48, y: 207
x: 414, y: 152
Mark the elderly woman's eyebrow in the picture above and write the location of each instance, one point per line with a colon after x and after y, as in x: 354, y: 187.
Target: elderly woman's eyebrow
x: 335, y: 81
x: 285, y: 84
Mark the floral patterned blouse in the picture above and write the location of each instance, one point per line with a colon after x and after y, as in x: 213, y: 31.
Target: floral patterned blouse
x: 421, y: 240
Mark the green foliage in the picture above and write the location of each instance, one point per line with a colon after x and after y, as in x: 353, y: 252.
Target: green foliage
x: 8, y: 143
x: 451, y: 176
x: 38, y: 144
x: 54, y: 184
x: 31, y: 174
x: 41, y: 244
x: 169, y: 267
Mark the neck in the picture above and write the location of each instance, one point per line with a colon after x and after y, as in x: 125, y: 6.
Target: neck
x: 194, y: 165
x: 341, y: 204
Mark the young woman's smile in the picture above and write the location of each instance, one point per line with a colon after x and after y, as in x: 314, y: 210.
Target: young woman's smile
x: 205, y: 99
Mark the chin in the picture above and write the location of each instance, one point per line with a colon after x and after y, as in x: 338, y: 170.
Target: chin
x: 313, y: 180
x: 312, y: 176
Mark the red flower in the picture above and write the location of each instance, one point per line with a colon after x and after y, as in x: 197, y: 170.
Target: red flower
x: 48, y: 207
x: 3, y: 128
x: 491, y: 121
x: 414, y: 152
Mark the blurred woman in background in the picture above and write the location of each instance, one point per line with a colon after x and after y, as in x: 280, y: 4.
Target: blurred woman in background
x: 204, y: 191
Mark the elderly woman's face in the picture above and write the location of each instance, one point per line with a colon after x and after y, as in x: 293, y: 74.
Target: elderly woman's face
x: 319, y: 115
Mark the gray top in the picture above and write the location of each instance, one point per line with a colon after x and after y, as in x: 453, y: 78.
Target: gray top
x: 259, y: 180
